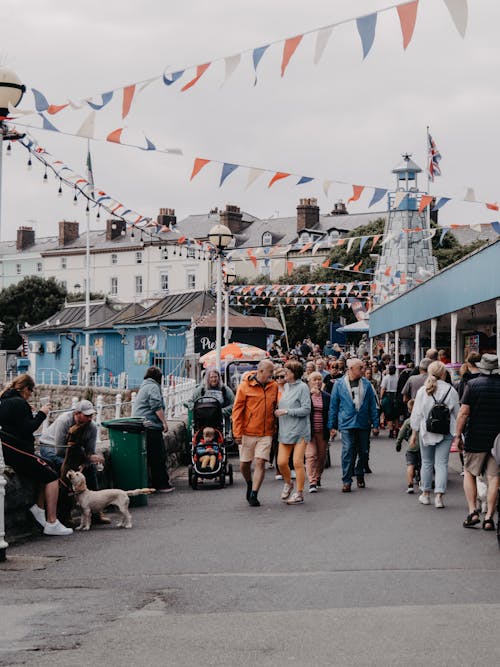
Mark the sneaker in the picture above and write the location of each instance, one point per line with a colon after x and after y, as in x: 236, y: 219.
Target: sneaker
x: 56, y: 528
x: 293, y: 475
x: 409, y: 489
x: 39, y: 515
x: 313, y: 488
x: 438, y: 502
x: 253, y: 501
x: 278, y: 476
x: 166, y: 489
x: 287, y: 490
x: 295, y: 499
x: 425, y: 500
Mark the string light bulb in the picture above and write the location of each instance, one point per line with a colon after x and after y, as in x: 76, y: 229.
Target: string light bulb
x: 9, y: 149
x: 45, y: 177
x: 59, y: 192
x: 30, y: 163
x: 98, y: 216
x: 75, y: 198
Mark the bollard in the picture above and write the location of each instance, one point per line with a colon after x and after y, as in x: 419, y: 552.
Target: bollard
x: 98, y: 418
x: 3, y: 483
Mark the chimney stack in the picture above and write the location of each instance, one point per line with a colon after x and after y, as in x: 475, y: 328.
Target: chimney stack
x: 25, y: 238
x: 68, y: 231
x: 114, y: 229
x: 232, y: 218
x: 307, y: 214
x: 340, y: 208
x: 166, y: 218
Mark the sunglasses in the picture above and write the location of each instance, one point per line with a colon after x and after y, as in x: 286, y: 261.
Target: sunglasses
x: 279, y: 377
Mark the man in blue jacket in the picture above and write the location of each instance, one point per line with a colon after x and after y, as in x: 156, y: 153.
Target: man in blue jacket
x: 353, y: 412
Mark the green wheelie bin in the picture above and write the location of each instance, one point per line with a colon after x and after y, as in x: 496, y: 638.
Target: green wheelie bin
x: 129, y: 465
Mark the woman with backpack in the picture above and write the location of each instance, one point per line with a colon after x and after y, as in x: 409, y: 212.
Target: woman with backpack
x: 433, y: 421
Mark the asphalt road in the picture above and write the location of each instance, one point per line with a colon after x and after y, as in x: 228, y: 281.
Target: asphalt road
x: 367, y: 578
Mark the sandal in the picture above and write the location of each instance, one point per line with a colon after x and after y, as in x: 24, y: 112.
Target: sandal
x: 488, y: 524
x: 472, y: 520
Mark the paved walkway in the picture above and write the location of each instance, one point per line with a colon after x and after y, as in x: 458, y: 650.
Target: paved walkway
x: 367, y: 578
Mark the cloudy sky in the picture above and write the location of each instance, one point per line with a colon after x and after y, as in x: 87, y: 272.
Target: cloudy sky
x: 344, y: 119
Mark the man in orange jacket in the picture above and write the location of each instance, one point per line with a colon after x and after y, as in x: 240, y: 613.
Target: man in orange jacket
x: 254, y: 424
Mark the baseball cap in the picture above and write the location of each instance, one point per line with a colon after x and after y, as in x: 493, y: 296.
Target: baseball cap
x: 85, y: 407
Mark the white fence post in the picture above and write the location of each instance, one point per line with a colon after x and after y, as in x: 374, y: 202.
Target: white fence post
x: 98, y: 419
x: 133, y: 396
x: 118, y: 406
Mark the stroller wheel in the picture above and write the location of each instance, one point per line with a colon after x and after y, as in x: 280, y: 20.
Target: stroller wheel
x: 222, y: 480
x: 230, y: 473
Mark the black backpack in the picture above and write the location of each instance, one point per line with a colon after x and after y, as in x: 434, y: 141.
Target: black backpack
x: 438, y: 419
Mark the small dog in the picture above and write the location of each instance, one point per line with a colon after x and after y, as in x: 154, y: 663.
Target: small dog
x: 97, y: 501
x: 482, y: 493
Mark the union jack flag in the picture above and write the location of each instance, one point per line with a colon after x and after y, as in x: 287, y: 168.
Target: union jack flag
x: 434, y: 158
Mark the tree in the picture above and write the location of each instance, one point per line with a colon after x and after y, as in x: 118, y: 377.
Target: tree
x: 30, y: 301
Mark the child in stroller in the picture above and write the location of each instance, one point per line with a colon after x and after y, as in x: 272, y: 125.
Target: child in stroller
x: 208, y: 450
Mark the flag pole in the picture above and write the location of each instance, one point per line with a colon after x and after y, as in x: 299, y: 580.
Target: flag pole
x: 87, y: 283
x: 428, y: 208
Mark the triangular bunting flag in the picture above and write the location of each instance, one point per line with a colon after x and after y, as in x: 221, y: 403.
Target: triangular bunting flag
x: 326, y: 187
x: 253, y: 175
x: 458, y: 12
x: 442, y: 201
x: 357, y: 191
x: 106, y: 99
x: 322, y: 39
x: 41, y: 103
x: 378, y: 194
x: 173, y: 77
x: 227, y: 169
x: 87, y: 128
x: 376, y: 238
x: 305, y: 179
x: 288, y: 51
x: 407, y: 17
x: 199, y: 163
x: 231, y: 63
x: 425, y: 200
x: 256, y: 56
x: 366, y: 28
x: 492, y: 207
x: 277, y: 177
x: 200, y: 71
x: 115, y: 136
x: 128, y: 96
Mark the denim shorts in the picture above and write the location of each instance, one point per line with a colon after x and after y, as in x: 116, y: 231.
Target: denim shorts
x: 413, y: 458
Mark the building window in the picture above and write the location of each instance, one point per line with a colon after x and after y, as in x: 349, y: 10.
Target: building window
x: 114, y: 258
x: 114, y: 286
x: 164, y: 282
x: 191, y: 281
x: 138, y: 257
x: 63, y: 284
x: 267, y: 239
x: 138, y: 284
x: 39, y: 267
x: 64, y: 262
x: 18, y: 269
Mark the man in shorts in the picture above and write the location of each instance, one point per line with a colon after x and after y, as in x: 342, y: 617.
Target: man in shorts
x: 479, y: 420
x: 254, y: 425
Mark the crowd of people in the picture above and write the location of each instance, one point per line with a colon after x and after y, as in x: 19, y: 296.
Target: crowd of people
x: 284, y: 415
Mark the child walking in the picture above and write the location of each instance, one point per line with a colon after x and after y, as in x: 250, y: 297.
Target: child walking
x: 413, y: 459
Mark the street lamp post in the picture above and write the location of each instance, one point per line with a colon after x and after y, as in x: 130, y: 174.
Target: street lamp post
x: 229, y: 278
x: 11, y: 92
x: 220, y: 237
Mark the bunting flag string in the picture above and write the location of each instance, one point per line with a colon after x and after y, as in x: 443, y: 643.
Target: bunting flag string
x: 366, y: 27
x: 379, y: 193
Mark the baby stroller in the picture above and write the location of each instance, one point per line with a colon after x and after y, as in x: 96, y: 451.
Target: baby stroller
x: 207, y: 411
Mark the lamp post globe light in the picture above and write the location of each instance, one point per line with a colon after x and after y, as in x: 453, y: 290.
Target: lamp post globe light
x: 11, y: 92
x: 220, y: 237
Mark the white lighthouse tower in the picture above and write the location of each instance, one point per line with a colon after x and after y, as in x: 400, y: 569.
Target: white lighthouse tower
x: 406, y: 256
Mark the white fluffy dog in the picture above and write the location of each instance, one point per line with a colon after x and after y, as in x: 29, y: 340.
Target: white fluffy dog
x: 97, y: 501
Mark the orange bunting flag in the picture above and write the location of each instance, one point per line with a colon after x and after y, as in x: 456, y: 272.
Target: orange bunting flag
x: 253, y: 258
x: 402, y: 280
x: 305, y: 248
x: 326, y: 263
x: 356, y: 266
x: 356, y: 193
x: 387, y: 272
x: 407, y: 18
x: 425, y: 200
x: 277, y: 176
x: 128, y: 96
x: 115, y: 136
x: 200, y: 71
x: 492, y: 207
x: 288, y: 51
x: 199, y: 163
x: 55, y: 108
x: 341, y: 241
x: 289, y: 268
x: 376, y: 239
